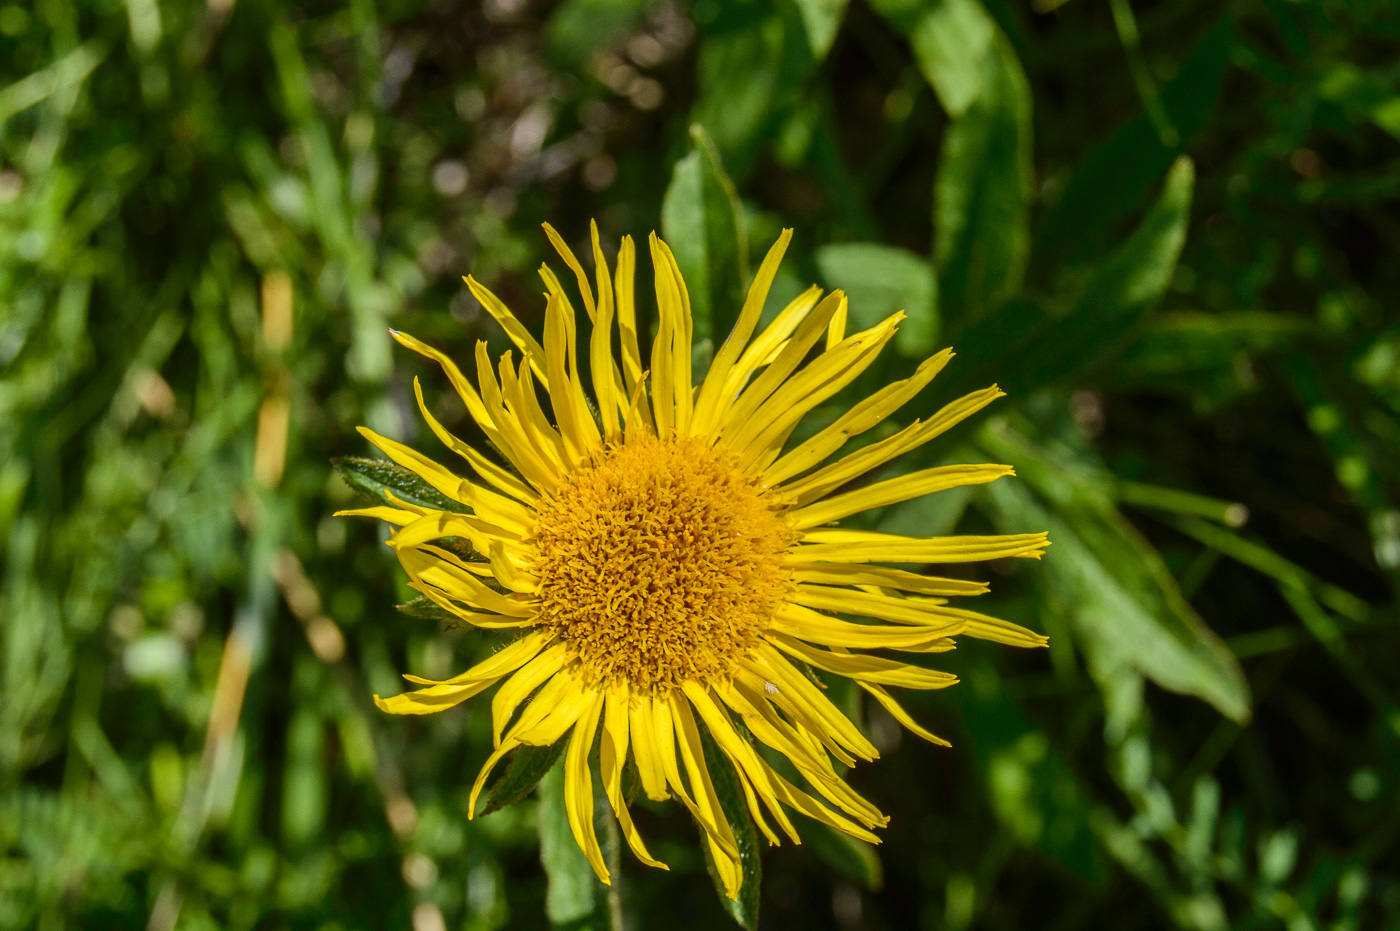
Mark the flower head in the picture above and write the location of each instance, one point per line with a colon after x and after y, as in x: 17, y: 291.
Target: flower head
x: 671, y: 565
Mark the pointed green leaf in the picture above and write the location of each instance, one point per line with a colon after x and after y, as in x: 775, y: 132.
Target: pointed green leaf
x: 744, y: 910
x: 983, y: 192
x: 1116, y: 178
x: 525, y: 767
x: 821, y: 18
x: 951, y: 40
x: 702, y: 221
x: 570, y: 894
x: 426, y: 609
x: 376, y: 478
x: 1124, y: 606
x: 880, y: 280
x: 1123, y: 289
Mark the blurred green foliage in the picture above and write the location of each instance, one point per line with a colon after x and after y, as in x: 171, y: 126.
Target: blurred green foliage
x: 1168, y: 229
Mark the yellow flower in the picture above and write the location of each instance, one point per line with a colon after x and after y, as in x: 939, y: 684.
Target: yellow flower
x: 672, y: 566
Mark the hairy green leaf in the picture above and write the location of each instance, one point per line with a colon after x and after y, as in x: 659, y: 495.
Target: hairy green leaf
x: 525, y: 767
x: 744, y: 910
x: 376, y: 479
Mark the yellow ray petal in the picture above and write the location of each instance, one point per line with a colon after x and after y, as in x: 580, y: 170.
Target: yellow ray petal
x: 515, y: 689
x: 507, y: 659
x: 578, y: 788
x: 762, y: 350
x: 984, y: 627
x: 899, y: 714
x: 600, y: 358
x: 892, y: 491
x: 417, y: 463
x: 860, y: 418
x: 464, y: 388
x: 475, y: 618
x: 682, y: 336
x: 513, y: 327
x: 860, y: 546
x: 480, y: 464
x: 795, y: 797
x: 512, y: 439
x: 572, y: 261
x: 877, y: 454
x: 747, y: 765
x: 709, y: 813
x: 644, y: 748
x: 718, y: 374
x: 518, y: 391
x: 782, y: 365
x: 836, y: 330
x: 392, y: 515
x: 445, y: 572
x: 627, y: 321
x: 837, y: 574
x: 806, y: 624
x: 799, y: 690
x: 431, y: 700
x: 824, y: 377
x: 612, y: 755
x: 871, y: 604
x: 864, y: 668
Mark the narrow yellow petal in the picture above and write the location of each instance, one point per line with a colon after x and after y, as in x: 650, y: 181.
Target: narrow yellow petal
x: 830, y: 372
x: 505, y: 660
x: 837, y: 574
x: 799, y: 691
x: 392, y: 515
x: 864, y: 668
x: 464, y: 388
x: 612, y: 755
x: 572, y: 261
x: 744, y: 759
x: 877, y: 454
x: 783, y: 365
x: 644, y: 749
x: 892, y: 491
x: 545, y: 444
x: 513, y: 327
x: 682, y: 340
x: 480, y: 464
x: 871, y: 604
x: 442, y: 570
x: 860, y: 418
x: 417, y: 463
x: 433, y: 699
x: 578, y: 788
x: 627, y: 317
x: 899, y: 714
x: 718, y: 374
x: 859, y: 546
x: 711, y: 815
x: 515, y: 689
x: 836, y: 330
x: 805, y: 624
x: 512, y: 439
x: 600, y: 358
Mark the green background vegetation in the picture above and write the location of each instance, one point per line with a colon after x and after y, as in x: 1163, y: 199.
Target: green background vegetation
x: 1168, y: 229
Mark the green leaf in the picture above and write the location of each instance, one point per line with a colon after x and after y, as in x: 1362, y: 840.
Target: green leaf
x: 375, y: 479
x: 702, y: 221
x: 1115, y: 178
x: 851, y: 857
x: 570, y: 894
x: 822, y: 19
x: 736, y: 811
x: 880, y: 280
x: 1125, y: 286
x: 525, y: 767
x: 952, y: 40
x: 426, y: 609
x: 1122, y: 603
x: 983, y: 192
